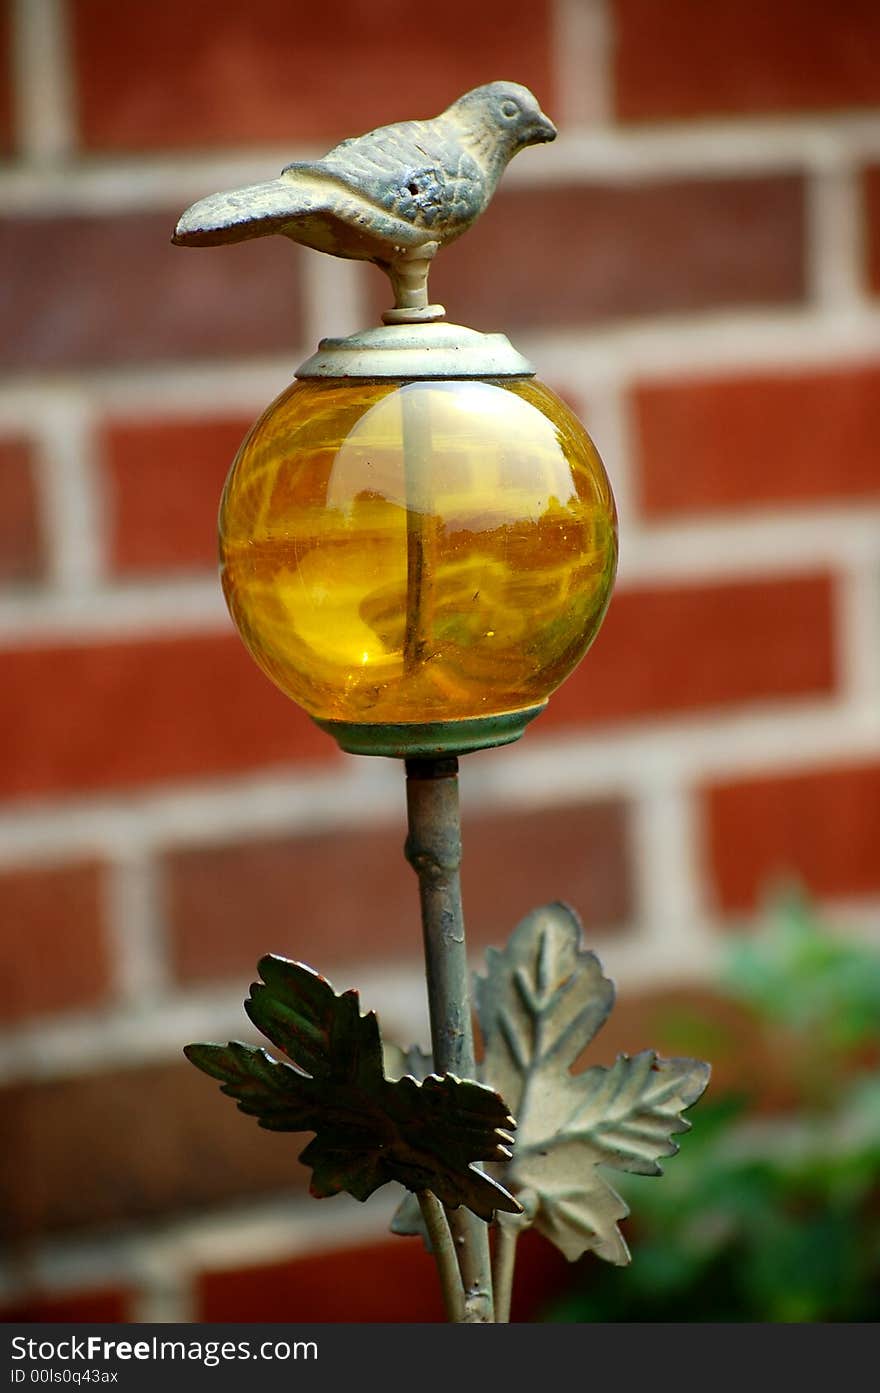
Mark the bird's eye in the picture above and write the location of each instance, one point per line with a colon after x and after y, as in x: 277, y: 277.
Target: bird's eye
x: 509, y: 109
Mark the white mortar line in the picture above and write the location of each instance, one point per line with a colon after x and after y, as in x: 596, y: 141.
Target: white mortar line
x: 688, y: 149
x: 689, y: 749
x: 668, y: 880
x: 42, y: 82
x: 163, y: 1286
x: 657, y: 960
x: 855, y: 918
x: 677, y: 941
x: 672, y: 347
x: 71, y: 496
x: 834, y: 241
x: 231, y: 387
x: 582, y: 51
x: 765, y: 544
x: 334, y: 294
x: 58, y: 1266
x: 543, y: 771
x: 662, y: 956
x: 669, y: 950
x: 273, y: 1232
x: 754, y: 544
x: 60, y: 1046
x: 858, y: 630
x: 719, y: 148
x: 667, y: 348
x: 672, y: 947
x: 156, y: 1029
x: 141, y: 183
x: 614, y: 154
x: 140, y: 972
x: 608, y: 417
x: 161, y: 1260
x: 208, y: 813
x: 127, y: 613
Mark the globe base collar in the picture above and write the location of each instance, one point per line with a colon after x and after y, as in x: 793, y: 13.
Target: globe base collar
x: 431, y: 739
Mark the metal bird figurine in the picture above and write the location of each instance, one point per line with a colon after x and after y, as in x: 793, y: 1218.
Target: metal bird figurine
x: 393, y: 196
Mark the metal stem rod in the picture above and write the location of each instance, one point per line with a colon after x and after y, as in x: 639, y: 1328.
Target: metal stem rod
x: 437, y: 1225
x: 433, y: 849
x: 507, y: 1232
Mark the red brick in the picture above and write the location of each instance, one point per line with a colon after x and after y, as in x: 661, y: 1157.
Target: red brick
x: 135, y: 297
x: 142, y: 712
x: 5, y: 78
x: 872, y: 231
x: 21, y: 547
x: 222, y: 73
x: 659, y: 247
x: 684, y: 58
x: 690, y: 647
x: 132, y: 1144
x: 165, y: 478
x: 53, y: 952
x: 725, y: 443
x: 228, y: 905
x: 342, y: 1285
x: 86, y: 1308
x: 819, y: 826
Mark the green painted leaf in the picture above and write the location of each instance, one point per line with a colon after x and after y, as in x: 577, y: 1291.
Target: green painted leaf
x: 369, y: 1129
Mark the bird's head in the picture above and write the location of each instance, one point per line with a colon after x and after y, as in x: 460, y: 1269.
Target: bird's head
x: 505, y: 114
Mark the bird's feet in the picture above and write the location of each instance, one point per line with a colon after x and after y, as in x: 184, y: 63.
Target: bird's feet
x: 408, y: 273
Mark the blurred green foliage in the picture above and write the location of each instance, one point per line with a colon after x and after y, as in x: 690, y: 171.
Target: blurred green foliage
x: 768, y: 1217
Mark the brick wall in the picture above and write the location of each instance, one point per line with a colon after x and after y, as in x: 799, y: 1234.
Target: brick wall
x: 166, y: 816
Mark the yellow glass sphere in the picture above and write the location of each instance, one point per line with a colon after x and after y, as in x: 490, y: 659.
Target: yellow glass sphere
x: 420, y: 551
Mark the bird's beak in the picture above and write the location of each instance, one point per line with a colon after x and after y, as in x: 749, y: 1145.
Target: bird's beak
x: 542, y: 131
x: 236, y: 215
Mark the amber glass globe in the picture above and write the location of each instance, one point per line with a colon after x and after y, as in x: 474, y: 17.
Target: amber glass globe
x: 410, y: 552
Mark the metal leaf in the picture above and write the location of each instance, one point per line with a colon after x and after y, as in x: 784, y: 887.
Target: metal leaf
x: 624, y: 1117
x: 369, y: 1129
x: 324, y: 1034
x: 542, y: 1000
x: 398, y: 1061
x: 408, y: 1220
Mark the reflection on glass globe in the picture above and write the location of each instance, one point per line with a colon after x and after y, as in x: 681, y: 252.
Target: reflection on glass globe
x: 409, y: 552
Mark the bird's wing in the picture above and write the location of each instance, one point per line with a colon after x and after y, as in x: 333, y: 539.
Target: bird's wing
x: 309, y: 205
x: 416, y: 171
x: 237, y: 214
x: 396, y: 187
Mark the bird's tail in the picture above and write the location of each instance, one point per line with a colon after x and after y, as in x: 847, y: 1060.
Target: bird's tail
x: 238, y: 214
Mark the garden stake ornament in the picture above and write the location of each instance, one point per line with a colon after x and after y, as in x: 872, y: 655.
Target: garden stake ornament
x: 418, y: 544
